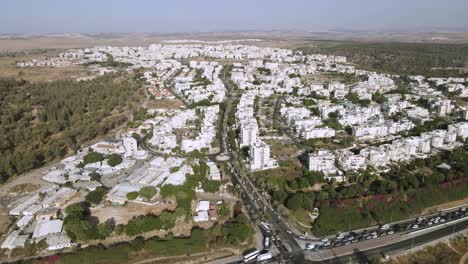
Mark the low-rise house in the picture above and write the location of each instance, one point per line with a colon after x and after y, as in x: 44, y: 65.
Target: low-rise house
x: 46, y: 228
x: 14, y: 240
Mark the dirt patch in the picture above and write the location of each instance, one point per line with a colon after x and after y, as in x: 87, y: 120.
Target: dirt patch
x: 5, y: 220
x: 121, y: 215
x: 166, y: 104
x: 23, y: 188
x: 8, y: 69
x: 445, y: 206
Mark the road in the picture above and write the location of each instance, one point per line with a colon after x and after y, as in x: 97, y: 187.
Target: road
x: 257, y: 205
x: 407, y: 242
x: 258, y: 208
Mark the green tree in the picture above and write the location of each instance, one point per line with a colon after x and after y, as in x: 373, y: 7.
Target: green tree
x: 114, y: 159
x: 132, y: 196
x: 147, y: 192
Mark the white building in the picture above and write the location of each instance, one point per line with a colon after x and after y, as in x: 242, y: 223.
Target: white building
x: 323, y: 161
x: 260, y: 156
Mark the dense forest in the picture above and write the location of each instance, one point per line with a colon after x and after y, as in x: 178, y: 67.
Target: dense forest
x: 427, y: 59
x: 44, y: 121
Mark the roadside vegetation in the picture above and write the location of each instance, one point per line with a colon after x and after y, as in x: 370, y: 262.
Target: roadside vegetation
x: 371, y: 197
x: 235, y: 232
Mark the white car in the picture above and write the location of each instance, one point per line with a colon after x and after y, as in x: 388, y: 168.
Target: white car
x: 324, y: 239
x: 339, y: 236
x: 415, y: 226
x: 390, y: 232
x: 384, y: 227
x: 288, y: 231
x: 309, y: 246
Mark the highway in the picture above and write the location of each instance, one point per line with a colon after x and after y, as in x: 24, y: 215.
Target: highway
x: 407, y: 242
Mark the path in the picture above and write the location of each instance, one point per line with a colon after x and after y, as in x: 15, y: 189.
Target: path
x: 201, y: 254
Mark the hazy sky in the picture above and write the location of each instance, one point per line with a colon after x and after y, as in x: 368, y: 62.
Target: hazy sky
x: 93, y: 16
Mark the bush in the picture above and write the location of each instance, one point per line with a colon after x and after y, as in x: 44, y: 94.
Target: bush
x: 211, y: 186
x: 95, y: 176
x: 132, y: 196
x: 92, y: 157
x: 114, y: 160
x: 95, y: 197
x: 147, y: 192
x: 146, y: 223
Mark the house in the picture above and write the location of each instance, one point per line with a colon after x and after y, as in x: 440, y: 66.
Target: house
x: 46, y: 228
x: 14, y: 240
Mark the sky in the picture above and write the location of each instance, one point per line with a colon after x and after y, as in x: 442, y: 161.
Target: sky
x: 172, y: 16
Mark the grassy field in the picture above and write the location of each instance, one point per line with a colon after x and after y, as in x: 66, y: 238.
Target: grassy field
x: 167, y: 104
x: 288, y: 169
x: 8, y: 69
x: 279, y: 148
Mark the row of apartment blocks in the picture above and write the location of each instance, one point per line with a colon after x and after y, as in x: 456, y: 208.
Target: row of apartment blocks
x: 164, y: 129
x: 403, y: 149
x: 259, y: 158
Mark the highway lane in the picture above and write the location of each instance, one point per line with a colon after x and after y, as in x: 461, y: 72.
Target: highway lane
x: 407, y: 243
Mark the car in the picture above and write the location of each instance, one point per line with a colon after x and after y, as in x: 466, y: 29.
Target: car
x: 415, y: 226
x: 442, y: 220
x: 390, y: 232
x: 375, y: 236
x: 384, y: 227
x: 463, y: 209
x: 368, y: 237
x: 349, y: 238
x: 327, y: 244
x: 429, y: 223
x: 302, y: 237
x: 324, y: 239
x: 288, y: 231
x: 309, y: 246
x: 339, y: 236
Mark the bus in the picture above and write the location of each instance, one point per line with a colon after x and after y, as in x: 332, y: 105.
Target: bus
x: 265, y: 227
x: 252, y: 255
x: 264, y: 256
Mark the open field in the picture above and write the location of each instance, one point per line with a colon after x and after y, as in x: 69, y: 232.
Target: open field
x: 162, y: 103
x: 8, y: 69
x: 288, y: 169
